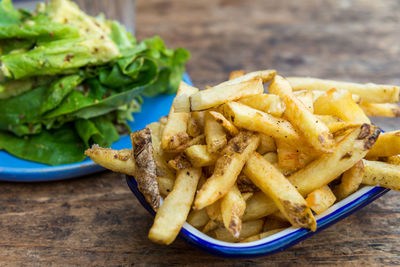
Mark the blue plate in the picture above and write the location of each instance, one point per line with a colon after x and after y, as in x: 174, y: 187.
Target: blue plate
x: 274, y: 243
x: 19, y: 170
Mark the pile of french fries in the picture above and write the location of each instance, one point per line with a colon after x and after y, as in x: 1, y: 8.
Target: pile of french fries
x: 240, y: 164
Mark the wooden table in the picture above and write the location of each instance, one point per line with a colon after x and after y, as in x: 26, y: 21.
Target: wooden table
x: 95, y: 220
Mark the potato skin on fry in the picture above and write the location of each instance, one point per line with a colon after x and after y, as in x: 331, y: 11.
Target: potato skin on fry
x: 116, y: 160
x: 146, y: 171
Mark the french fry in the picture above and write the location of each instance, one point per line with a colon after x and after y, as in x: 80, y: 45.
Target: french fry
x: 245, y: 185
x: 268, y: 103
x: 251, y: 119
x: 272, y: 157
x: 198, y: 218
x: 291, y: 158
x: 347, y: 152
x: 381, y: 109
x: 395, y: 160
x: 116, y: 160
x: 236, y: 74
x: 316, y: 94
x: 227, y: 168
x: 249, y: 228
x: 320, y: 199
x: 196, y: 123
x: 214, y: 211
x: 315, y: 132
x: 174, y: 134
x: 264, y: 75
x: 165, y: 176
x: 247, y: 195
x: 267, y: 144
x: 388, y: 144
x: 210, y: 226
x: 227, y: 125
x: 271, y: 223
x: 199, y: 156
x: 179, y: 162
x: 232, y: 210
x: 350, y: 182
x: 261, y: 235
x: 146, y: 171
x: 259, y: 206
x: 181, y: 101
x: 176, y: 206
x: 198, y: 140
x: 340, y: 103
x: 381, y: 174
x: 216, y: 137
x: 278, y: 216
x: 333, y: 123
x: 220, y: 94
x: 272, y: 182
x: 370, y: 92
x: 307, y: 98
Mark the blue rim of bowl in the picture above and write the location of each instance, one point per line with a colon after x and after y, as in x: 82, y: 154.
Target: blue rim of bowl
x: 274, y: 243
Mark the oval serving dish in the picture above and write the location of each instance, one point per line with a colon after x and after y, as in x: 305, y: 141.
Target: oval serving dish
x: 274, y: 243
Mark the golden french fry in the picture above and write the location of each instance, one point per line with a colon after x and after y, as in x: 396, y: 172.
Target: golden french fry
x: 381, y: 109
x: 215, y: 135
x: 388, y: 144
x: 315, y: 132
x: 259, y: 206
x: 278, y: 216
x: 245, y: 185
x: 232, y: 210
x: 272, y: 157
x: 247, y: 195
x: 333, y: 123
x: 199, y: 156
x: 146, y: 167
x: 272, y: 182
x: 227, y: 125
x: 352, y: 147
x: 264, y: 75
x: 181, y: 101
x: 340, y: 103
x: 267, y: 144
x: 179, y: 162
x: 236, y: 74
x: 220, y: 94
x: 370, y: 92
x: 210, y: 225
x: 307, y: 98
x: 116, y: 160
x: 290, y: 157
x: 381, y: 174
x: 227, y: 168
x: 198, y: 218
x: 174, y: 134
x: 320, y: 199
x: 316, y: 94
x: 176, y: 206
x: 251, y: 119
x: 165, y: 175
x: 193, y: 128
x: 214, y: 211
x: 249, y: 228
x: 395, y: 160
x: 268, y: 103
x: 261, y: 235
x: 350, y: 182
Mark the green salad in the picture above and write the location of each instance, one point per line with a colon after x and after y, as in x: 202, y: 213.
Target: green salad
x: 68, y: 80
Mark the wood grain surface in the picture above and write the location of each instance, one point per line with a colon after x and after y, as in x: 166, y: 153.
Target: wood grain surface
x: 96, y: 221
